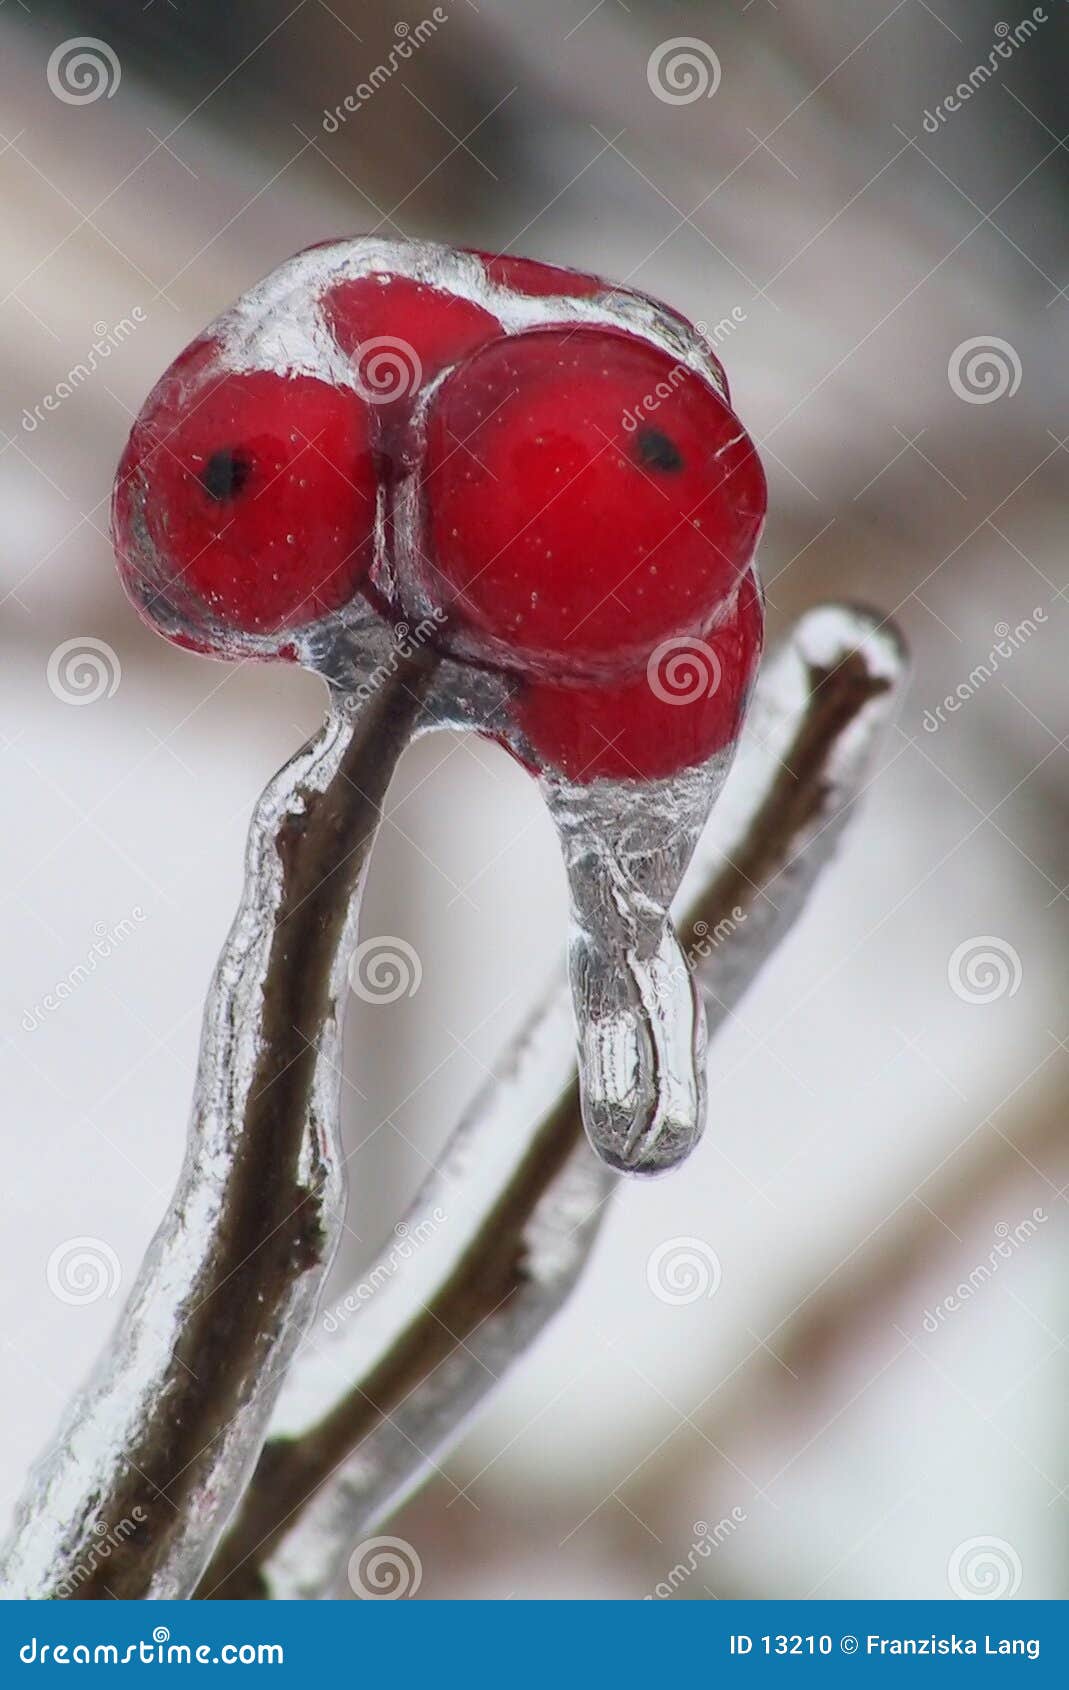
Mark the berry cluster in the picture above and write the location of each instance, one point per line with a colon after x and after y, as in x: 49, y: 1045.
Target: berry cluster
x: 548, y: 464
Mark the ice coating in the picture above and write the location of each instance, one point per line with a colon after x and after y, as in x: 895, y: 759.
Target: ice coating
x: 640, y: 1022
x: 536, y: 478
x: 404, y: 1448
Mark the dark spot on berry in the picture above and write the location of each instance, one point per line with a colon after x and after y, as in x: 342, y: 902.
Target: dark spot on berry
x: 225, y: 474
x: 656, y: 451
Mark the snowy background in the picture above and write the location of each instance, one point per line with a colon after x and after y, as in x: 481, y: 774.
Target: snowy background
x: 881, y: 1129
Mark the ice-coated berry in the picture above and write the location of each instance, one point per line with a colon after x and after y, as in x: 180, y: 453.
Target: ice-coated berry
x: 401, y: 333
x: 538, y: 480
x: 687, y: 704
x: 247, y: 498
x: 538, y: 280
x: 546, y: 461
x: 584, y: 498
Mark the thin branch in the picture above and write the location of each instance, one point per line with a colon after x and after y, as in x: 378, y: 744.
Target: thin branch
x: 420, y: 1371
x: 163, y: 1439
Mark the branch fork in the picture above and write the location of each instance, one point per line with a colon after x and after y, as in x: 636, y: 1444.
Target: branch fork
x: 241, y: 1481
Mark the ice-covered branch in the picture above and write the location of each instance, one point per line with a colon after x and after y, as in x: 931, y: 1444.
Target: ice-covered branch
x: 506, y: 1223
x: 157, y: 1449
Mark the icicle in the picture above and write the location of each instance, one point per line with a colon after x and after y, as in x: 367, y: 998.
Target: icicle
x: 313, y: 480
x: 822, y: 706
x: 640, y: 1024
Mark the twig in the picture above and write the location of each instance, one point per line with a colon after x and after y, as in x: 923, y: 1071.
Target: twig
x: 821, y: 708
x: 164, y: 1437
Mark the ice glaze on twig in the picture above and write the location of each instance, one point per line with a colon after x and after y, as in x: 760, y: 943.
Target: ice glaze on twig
x: 160, y: 1444
x: 366, y: 1418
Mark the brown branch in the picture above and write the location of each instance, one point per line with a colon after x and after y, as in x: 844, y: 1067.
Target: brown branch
x: 492, y: 1270
x: 272, y: 1227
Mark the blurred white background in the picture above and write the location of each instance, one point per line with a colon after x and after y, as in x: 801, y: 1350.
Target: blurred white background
x: 873, y: 1132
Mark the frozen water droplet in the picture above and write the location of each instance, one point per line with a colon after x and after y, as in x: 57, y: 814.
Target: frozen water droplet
x: 639, y: 1021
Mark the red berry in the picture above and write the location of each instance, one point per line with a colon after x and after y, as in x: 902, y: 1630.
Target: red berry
x: 579, y: 503
x: 584, y: 497
x: 540, y: 281
x: 401, y: 333
x: 249, y: 496
x: 688, y: 704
